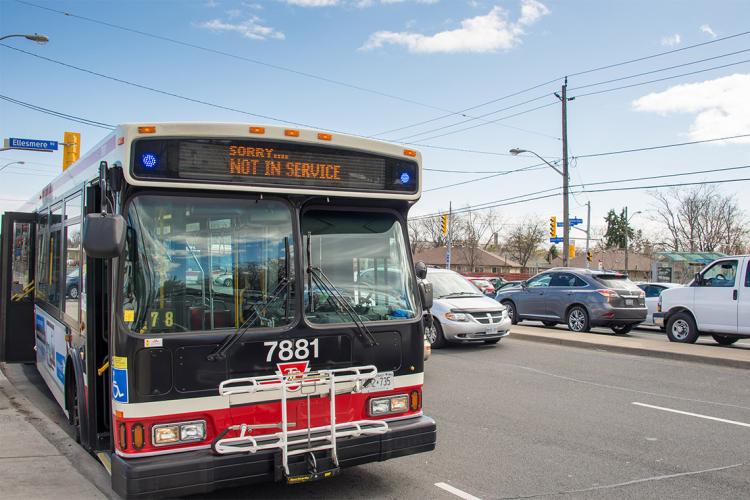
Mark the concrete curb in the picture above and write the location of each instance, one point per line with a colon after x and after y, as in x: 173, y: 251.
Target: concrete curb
x: 654, y: 352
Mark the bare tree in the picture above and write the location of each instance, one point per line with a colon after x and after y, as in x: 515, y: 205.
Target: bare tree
x: 525, y: 239
x: 701, y: 219
x: 472, y: 232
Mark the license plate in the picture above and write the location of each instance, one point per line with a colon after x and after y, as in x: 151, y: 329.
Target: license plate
x: 491, y: 330
x: 629, y: 302
x: 383, y: 381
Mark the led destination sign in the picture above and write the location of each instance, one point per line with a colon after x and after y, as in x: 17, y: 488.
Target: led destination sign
x: 271, y: 164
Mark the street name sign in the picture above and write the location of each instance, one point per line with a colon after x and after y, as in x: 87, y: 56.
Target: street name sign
x: 556, y: 240
x: 30, y: 144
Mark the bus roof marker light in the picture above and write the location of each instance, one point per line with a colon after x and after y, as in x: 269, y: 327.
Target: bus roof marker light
x: 291, y: 132
x: 150, y: 129
x: 410, y: 152
x: 257, y: 130
x: 324, y: 137
x: 149, y: 160
x: 404, y: 177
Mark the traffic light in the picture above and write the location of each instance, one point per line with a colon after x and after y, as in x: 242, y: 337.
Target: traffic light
x: 444, y: 224
x: 572, y: 250
x: 590, y: 256
x: 553, y: 227
x: 71, y: 148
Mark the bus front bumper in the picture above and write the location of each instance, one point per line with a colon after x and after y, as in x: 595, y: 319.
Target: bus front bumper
x: 201, y: 471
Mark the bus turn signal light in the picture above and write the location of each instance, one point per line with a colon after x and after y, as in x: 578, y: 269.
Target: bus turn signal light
x: 291, y: 132
x: 415, y: 400
x: 139, y: 436
x: 122, y: 436
x: 147, y: 130
x: 257, y: 130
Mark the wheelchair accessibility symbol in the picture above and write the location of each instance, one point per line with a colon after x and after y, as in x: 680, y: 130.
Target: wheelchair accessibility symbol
x: 120, y: 385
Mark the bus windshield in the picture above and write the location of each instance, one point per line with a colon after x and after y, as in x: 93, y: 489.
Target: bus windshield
x: 206, y: 263
x: 364, y: 256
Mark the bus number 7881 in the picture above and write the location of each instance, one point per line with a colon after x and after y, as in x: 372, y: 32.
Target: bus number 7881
x: 289, y: 350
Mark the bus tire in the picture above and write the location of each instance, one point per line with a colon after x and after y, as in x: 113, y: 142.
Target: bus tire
x: 71, y: 402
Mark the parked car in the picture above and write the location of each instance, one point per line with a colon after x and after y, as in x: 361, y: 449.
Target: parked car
x: 581, y: 298
x: 484, y: 285
x: 496, y: 282
x: 461, y: 313
x: 73, y: 284
x: 653, y: 291
x: 427, y: 348
x: 506, y: 284
x: 716, y: 303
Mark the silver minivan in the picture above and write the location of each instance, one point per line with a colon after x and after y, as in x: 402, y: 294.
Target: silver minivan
x: 461, y: 313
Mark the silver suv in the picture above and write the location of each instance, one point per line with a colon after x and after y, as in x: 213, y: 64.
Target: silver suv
x: 461, y: 313
x: 581, y: 298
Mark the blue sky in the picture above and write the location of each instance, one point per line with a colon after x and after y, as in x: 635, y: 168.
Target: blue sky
x: 428, y: 56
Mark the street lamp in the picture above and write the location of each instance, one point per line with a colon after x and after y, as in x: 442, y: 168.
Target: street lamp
x: 566, y: 214
x: 42, y: 39
x: 12, y: 163
x: 627, y: 230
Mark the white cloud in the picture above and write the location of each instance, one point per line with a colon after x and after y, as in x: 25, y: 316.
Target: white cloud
x: 312, y: 3
x: 250, y: 28
x: 671, y: 40
x: 721, y: 106
x: 705, y: 28
x: 487, y: 33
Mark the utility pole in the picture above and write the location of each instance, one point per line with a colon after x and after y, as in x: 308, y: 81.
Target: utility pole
x: 627, y: 229
x: 450, y: 235
x: 588, y: 232
x: 563, y: 96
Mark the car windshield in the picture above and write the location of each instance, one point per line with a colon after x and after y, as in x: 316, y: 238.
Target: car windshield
x: 200, y: 264
x: 364, y: 256
x: 617, y: 282
x: 450, y: 284
x: 484, y: 283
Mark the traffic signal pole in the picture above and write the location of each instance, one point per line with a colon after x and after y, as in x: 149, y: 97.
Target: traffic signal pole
x: 588, y: 233
x: 566, y: 214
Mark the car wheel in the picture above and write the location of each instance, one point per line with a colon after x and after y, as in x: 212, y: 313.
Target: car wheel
x: 723, y: 340
x: 73, y: 292
x: 549, y: 324
x: 228, y: 282
x: 578, y: 320
x: 435, y: 335
x: 681, y: 328
x: 511, y: 307
x: 491, y: 341
x: 622, y: 329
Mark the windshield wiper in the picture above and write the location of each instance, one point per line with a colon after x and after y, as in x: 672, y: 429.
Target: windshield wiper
x: 459, y: 294
x: 321, y: 280
x: 221, y: 352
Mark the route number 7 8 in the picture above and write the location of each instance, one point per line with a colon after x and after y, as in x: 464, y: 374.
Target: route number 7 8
x: 288, y: 350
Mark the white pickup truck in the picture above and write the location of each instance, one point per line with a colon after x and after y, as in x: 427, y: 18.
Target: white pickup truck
x: 716, y: 303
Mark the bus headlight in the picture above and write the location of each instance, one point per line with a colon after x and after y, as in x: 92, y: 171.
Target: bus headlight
x: 187, y: 432
x: 388, y: 405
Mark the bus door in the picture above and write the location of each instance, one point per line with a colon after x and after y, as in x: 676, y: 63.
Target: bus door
x: 17, y: 288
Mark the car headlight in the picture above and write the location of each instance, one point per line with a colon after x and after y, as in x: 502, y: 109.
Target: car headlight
x: 456, y: 316
x: 164, y: 434
x: 389, y: 405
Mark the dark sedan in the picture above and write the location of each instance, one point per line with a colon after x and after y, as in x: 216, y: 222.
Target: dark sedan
x: 581, y: 298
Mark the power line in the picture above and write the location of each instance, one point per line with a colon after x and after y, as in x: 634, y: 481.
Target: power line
x: 58, y: 114
x: 584, y: 72
x: 506, y: 172
x: 164, y: 92
x: 604, y: 91
x: 650, y: 148
x: 495, y: 203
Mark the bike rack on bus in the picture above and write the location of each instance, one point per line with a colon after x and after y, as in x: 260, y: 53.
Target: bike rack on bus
x: 299, y: 441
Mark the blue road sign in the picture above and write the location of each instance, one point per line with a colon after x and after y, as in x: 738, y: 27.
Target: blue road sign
x: 575, y: 221
x: 447, y: 257
x: 32, y: 144
x: 555, y: 240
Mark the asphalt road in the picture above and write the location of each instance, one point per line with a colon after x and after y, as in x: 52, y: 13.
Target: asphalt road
x: 525, y: 420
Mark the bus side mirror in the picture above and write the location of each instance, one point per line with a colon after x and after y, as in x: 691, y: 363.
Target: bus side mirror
x: 104, y: 235
x: 421, y: 270
x: 425, y: 293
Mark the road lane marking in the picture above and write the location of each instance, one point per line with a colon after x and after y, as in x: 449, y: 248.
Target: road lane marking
x: 456, y: 491
x: 707, y: 417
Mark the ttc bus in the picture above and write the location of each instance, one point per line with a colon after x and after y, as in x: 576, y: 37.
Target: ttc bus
x: 221, y: 304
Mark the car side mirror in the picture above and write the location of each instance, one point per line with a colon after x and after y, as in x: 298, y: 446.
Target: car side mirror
x: 104, y: 235
x: 698, y: 279
x: 524, y: 285
x: 421, y: 269
x: 425, y: 293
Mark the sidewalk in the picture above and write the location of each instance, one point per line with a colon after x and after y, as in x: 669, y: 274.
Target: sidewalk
x: 30, y: 465
x: 657, y: 347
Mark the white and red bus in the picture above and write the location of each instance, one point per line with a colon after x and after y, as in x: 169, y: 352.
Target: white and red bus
x: 221, y: 304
